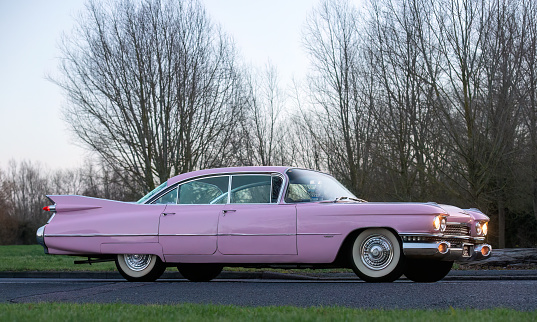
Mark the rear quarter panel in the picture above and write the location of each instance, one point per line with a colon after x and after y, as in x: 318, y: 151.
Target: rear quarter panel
x: 82, y: 225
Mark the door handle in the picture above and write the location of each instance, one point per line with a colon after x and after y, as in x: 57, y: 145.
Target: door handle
x: 168, y: 213
x: 225, y: 211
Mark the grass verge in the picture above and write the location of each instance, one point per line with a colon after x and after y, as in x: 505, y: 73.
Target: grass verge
x: 20, y: 258
x: 199, y: 312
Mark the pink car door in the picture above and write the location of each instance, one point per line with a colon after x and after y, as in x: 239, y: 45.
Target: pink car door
x: 253, y: 223
x: 189, y: 224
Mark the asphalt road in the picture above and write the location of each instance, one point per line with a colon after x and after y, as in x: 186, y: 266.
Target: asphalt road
x: 480, y: 294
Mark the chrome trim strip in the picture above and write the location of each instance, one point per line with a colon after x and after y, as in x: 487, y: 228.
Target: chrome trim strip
x: 98, y: 235
x: 439, y: 235
x: 282, y: 187
x: 167, y: 189
x: 315, y: 234
x: 50, y: 219
x: 146, y: 235
x: 256, y: 234
x: 230, y: 234
x: 229, y: 174
x: 456, y: 237
x: 427, y: 250
x: 168, y: 235
x: 422, y: 234
x: 229, y: 183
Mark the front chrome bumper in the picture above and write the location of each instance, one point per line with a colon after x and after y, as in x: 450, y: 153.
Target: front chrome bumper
x: 437, y: 250
x: 40, y: 236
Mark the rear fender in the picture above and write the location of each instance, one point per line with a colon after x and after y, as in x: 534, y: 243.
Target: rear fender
x: 82, y: 224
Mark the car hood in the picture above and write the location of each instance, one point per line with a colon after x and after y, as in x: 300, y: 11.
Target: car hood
x: 457, y: 214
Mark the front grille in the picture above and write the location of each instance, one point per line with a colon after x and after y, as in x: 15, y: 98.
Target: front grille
x: 457, y: 230
x: 456, y: 234
x: 457, y: 243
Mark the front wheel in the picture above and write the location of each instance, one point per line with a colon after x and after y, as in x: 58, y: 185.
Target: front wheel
x: 140, y: 268
x: 426, y: 270
x: 376, y: 256
x: 199, y: 272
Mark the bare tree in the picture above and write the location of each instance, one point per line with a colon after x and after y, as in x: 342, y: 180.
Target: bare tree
x: 339, y: 118
x: 153, y: 87
x: 304, y: 141
x: 529, y: 105
x: 402, y: 110
x: 423, y: 99
x: 503, y: 42
x: 262, y: 126
x: 27, y: 184
x: 8, y: 222
x: 458, y: 27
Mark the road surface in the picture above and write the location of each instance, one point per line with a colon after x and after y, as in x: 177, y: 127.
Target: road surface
x: 479, y: 294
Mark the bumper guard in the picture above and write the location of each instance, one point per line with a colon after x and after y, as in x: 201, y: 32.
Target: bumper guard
x: 442, y: 250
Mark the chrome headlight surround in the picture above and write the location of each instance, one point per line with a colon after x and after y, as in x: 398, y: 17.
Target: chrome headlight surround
x: 439, y: 223
x: 478, y: 228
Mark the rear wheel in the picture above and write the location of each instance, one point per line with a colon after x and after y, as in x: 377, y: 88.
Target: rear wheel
x: 376, y: 256
x: 426, y: 270
x: 140, y: 268
x: 199, y: 272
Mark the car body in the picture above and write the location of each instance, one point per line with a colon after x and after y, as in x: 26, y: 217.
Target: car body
x: 264, y: 217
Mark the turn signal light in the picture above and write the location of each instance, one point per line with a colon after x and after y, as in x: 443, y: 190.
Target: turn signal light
x: 443, y: 248
x: 485, y: 250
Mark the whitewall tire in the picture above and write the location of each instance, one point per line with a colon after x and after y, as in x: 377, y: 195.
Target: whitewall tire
x: 140, y: 267
x: 376, y: 256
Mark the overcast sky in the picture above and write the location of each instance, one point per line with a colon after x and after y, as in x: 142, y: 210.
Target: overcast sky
x: 31, y: 123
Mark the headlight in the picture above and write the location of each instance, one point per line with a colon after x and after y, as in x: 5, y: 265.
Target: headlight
x: 443, y: 224
x: 485, y: 228
x: 439, y: 223
x: 478, y: 228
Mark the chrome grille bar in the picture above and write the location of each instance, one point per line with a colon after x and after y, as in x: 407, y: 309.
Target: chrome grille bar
x: 457, y: 230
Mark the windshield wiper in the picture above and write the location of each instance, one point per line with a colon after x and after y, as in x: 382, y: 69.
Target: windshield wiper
x: 349, y: 198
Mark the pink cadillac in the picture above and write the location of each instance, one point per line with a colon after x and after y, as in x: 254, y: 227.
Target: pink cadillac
x: 264, y: 217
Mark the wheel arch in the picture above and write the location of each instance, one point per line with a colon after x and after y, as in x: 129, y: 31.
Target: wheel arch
x: 342, y: 259
x: 133, y: 248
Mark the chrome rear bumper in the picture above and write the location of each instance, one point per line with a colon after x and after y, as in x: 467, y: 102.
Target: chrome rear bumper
x: 40, y: 236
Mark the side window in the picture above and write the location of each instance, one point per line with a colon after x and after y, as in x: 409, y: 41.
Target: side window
x: 168, y: 198
x: 212, y: 190
x: 251, y: 189
x: 297, y: 193
x: 277, y: 183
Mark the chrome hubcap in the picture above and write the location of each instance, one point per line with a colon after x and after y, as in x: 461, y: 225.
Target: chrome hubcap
x: 376, y: 252
x: 137, y: 262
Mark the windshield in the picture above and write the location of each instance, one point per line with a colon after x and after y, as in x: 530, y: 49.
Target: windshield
x: 311, y: 186
x: 152, y: 193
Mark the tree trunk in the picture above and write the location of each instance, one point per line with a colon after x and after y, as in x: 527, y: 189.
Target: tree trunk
x: 501, y: 223
x: 535, y: 197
